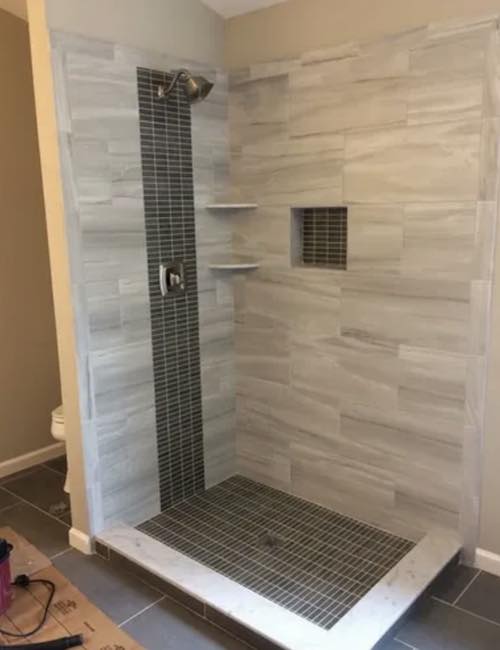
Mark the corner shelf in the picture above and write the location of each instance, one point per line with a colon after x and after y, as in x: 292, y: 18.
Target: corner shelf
x: 231, y: 206
x: 234, y: 265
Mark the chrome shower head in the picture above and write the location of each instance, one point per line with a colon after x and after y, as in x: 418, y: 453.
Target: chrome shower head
x: 195, y: 87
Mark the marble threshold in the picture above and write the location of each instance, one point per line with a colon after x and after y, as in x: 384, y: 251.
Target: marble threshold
x: 360, y: 629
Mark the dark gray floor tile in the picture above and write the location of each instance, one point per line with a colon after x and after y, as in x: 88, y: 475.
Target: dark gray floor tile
x: 392, y: 645
x: 438, y: 626
x: 483, y: 597
x: 66, y: 518
x: 43, y: 488
x: 44, y: 532
x: 170, y: 627
x: 16, y: 475
x: 115, y: 591
x: 58, y: 465
x: 7, y: 499
x: 452, y: 582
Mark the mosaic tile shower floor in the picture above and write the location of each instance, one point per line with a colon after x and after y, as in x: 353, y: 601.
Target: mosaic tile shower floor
x: 306, y: 558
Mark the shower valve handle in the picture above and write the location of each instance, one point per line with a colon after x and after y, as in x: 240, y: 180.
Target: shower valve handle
x: 171, y: 278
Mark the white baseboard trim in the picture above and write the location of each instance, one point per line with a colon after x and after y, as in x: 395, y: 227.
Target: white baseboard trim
x: 81, y: 541
x: 13, y: 465
x: 487, y: 561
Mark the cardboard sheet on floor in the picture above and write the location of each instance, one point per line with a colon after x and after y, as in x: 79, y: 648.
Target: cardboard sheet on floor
x: 71, y: 612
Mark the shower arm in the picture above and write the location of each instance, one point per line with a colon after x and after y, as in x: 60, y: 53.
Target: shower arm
x: 165, y: 92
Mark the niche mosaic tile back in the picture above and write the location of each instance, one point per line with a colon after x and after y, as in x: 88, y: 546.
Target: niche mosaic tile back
x: 324, y: 236
x: 167, y: 168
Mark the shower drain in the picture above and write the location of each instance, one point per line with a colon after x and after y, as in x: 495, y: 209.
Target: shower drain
x: 269, y: 541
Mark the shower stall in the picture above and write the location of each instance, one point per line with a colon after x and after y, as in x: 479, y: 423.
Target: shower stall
x: 282, y: 279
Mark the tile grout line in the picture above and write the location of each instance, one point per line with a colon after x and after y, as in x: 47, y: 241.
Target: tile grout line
x: 11, y: 505
x: 466, y: 611
x: 141, y: 611
x: 51, y: 469
x: 60, y: 553
x: 406, y: 645
x: 473, y: 579
x: 25, y: 501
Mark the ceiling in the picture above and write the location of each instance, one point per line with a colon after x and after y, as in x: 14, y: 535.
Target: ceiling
x: 228, y: 8
x: 225, y: 8
x: 17, y: 7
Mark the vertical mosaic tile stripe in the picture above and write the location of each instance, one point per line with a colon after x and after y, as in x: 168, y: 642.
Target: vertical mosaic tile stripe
x: 167, y: 168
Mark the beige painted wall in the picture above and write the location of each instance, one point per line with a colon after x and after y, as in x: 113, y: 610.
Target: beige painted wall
x: 16, y: 7
x: 183, y: 28
x: 81, y: 488
x: 297, y: 26
x: 29, y: 374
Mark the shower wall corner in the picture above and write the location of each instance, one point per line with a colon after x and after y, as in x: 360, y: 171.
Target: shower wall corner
x: 98, y: 121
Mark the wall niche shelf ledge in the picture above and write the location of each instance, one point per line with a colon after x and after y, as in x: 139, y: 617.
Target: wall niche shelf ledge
x: 234, y: 265
x: 231, y: 206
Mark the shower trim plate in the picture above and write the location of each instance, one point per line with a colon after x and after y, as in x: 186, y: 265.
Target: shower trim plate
x: 361, y: 628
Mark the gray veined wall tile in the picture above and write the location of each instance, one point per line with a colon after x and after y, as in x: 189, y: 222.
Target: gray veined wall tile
x: 259, y: 110
x: 76, y: 44
x: 118, y: 372
x: 434, y: 381
x: 434, y: 162
x: 92, y: 171
x: 306, y: 171
x: 439, y: 241
x: 480, y: 305
x: 452, y: 50
x: 492, y: 80
x: 471, y: 491
x: 459, y: 27
x: 409, y: 312
x: 264, y: 233
x: 349, y: 67
x: 344, y: 484
x: 488, y: 165
x: 475, y: 391
x: 485, y: 234
x: 395, y: 439
x: 343, y: 51
x: 336, y: 371
x: 375, y: 238
x: 293, y: 413
x: 411, y: 516
x: 404, y: 41
x: 219, y: 448
x: 296, y: 303
x: 443, y: 96
x: 127, y: 456
x: 347, y: 107
x: 272, y: 69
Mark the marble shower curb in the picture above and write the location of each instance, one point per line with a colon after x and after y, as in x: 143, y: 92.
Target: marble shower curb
x: 361, y: 628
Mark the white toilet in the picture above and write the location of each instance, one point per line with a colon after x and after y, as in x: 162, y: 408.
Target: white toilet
x: 59, y: 433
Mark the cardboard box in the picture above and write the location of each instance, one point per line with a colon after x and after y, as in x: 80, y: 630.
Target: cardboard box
x: 70, y: 613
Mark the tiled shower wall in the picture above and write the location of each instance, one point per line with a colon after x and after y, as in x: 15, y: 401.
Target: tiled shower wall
x: 363, y: 389
x: 98, y: 115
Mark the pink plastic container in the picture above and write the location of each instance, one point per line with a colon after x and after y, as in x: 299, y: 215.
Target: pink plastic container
x: 5, y: 577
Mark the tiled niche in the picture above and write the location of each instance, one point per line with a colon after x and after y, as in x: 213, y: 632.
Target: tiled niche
x: 319, y: 237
